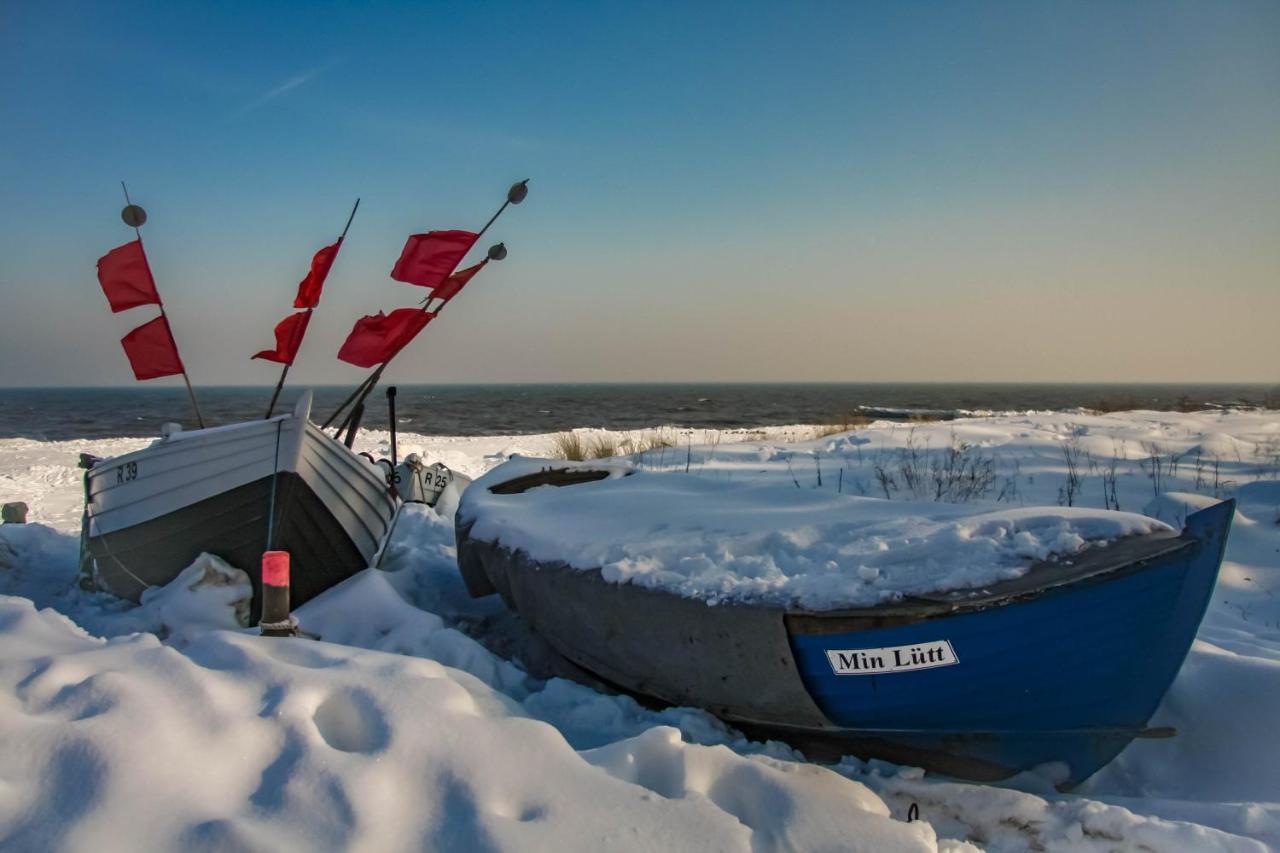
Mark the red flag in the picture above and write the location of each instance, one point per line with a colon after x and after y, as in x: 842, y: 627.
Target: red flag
x: 151, y: 350
x: 428, y: 259
x: 376, y: 338
x: 289, y: 332
x: 457, y: 281
x: 309, y: 290
x: 126, y: 278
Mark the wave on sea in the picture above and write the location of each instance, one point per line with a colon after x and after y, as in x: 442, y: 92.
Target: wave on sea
x: 64, y: 413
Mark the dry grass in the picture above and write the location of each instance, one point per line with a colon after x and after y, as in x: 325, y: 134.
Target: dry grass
x: 655, y: 440
x: 959, y: 473
x: 568, y: 445
x: 603, y: 446
x: 576, y: 447
x: 843, y: 423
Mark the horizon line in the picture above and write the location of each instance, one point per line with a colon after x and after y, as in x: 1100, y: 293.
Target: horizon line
x: 682, y: 382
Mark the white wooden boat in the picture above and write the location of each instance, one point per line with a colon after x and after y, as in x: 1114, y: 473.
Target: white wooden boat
x: 235, y: 491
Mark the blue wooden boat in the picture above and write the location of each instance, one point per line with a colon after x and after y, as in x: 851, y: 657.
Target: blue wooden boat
x: 1063, y: 666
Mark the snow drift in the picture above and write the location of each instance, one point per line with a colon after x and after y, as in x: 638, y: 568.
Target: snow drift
x: 404, y: 729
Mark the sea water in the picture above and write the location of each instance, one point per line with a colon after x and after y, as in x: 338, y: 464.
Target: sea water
x: 64, y: 413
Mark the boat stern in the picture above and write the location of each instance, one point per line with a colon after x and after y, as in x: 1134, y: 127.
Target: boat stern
x: 1065, y: 673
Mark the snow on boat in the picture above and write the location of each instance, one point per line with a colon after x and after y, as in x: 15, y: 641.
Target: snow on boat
x: 235, y: 491
x: 1053, y: 657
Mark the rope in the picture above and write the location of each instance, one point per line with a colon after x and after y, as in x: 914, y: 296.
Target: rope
x: 290, y: 625
x: 102, y: 537
x: 275, y: 470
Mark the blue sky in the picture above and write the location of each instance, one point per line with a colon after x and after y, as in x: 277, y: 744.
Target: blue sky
x: 844, y: 191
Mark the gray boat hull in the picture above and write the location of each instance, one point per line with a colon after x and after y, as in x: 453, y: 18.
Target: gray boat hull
x: 733, y: 660
x: 1029, y: 675
x: 235, y: 492
x: 232, y: 526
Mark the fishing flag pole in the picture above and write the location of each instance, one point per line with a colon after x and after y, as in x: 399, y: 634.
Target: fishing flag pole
x: 310, y: 308
x: 516, y: 194
x: 134, y: 216
x: 351, y: 422
x: 363, y: 383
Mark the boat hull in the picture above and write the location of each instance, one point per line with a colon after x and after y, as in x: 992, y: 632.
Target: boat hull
x: 236, y: 492
x: 1066, y: 670
x: 232, y: 526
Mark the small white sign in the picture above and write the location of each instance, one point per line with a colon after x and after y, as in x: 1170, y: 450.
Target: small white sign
x: 892, y: 658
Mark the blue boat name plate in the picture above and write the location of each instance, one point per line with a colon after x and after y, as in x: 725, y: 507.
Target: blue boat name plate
x: 892, y: 658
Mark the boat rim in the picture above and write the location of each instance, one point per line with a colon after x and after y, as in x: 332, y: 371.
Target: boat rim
x: 1097, y: 563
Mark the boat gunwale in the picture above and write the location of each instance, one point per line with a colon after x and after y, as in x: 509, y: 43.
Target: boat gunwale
x: 167, y: 445
x: 351, y: 459
x: 1096, y: 565
x: 162, y: 446
x: 324, y: 467
x: 105, y: 488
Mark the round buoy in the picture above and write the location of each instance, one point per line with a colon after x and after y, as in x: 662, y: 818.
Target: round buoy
x: 134, y: 216
x: 497, y: 251
x: 518, y: 191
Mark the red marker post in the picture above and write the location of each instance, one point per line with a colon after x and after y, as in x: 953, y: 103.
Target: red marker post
x: 276, y: 620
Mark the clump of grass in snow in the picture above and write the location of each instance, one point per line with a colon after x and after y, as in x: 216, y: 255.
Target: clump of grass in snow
x: 568, y: 445
x: 603, y: 446
x: 958, y: 473
x: 576, y: 447
x: 843, y: 423
x: 1071, y: 454
x: 652, y: 440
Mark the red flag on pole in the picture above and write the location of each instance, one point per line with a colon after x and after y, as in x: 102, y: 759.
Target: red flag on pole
x: 126, y: 278
x: 309, y: 290
x: 377, y: 337
x: 151, y: 350
x: 457, y: 281
x: 428, y: 259
x: 289, y: 332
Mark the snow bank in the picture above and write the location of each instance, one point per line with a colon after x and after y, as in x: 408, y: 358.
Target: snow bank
x: 723, y: 541
x: 241, y: 742
x: 42, y: 565
x: 451, y: 728
x: 1015, y: 821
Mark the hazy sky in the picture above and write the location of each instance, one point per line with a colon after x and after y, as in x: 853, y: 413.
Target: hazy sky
x: 1071, y: 191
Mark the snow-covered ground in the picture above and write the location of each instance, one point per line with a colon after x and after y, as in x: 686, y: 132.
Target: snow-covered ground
x: 423, y: 718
